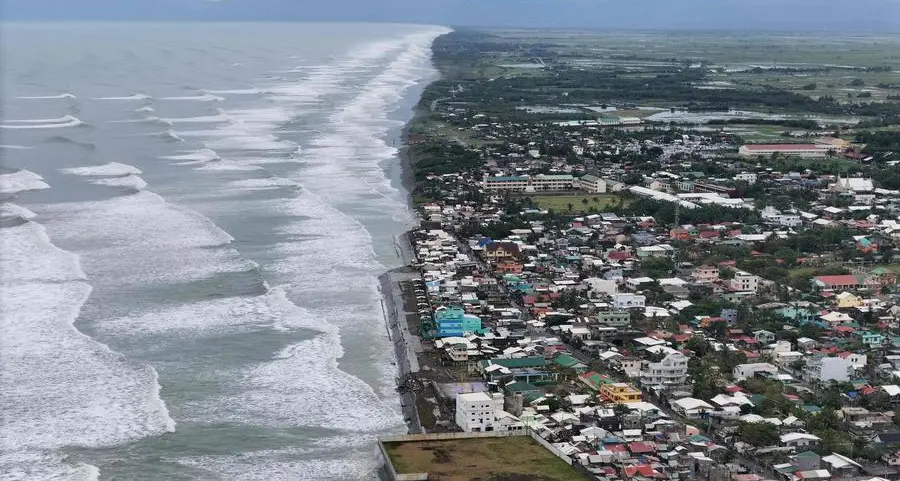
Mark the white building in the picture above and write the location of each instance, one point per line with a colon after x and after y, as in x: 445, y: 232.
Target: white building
x: 748, y: 177
x: 628, y: 300
x: 773, y: 216
x: 746, y: 371
x: 744, y: 281
x: 828, y: 369
x: 670, y: 371
x: 480, y: 411
x: 536, y: 183
x: 592, y: 184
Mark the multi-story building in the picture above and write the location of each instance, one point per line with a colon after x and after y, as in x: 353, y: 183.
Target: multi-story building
x: 628, y: 300
x: 670, y: 371
x: 794, y: 150
x: 454, y: 322
x: 592, y: 184
x: 744, y: 281
x: 745, y: 371
x: 828, y: 369
x: 535, y: 183
x: 748, y: 177
x: 480, y: 412
x: 620, y: 392
x: 706, y: 274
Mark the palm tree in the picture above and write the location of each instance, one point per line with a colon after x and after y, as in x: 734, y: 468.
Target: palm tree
x: 596, y: 200
x: 584, y: 201
x: 570, y: 206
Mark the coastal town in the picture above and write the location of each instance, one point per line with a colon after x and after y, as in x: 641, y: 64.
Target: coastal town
x: 644, y: 296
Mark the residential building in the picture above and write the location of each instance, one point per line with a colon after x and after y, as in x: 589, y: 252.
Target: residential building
x: 497, y: 251
x: 748, y: 177
x: 670, y: 371
x: 746, y: 371
x: 620, y: 392
x: 840, y: 282
x: 706, y: 274
x: 454, y: 322
x: 480, y: 412
x: 799, y: 440
x: 628, y: 300
x: 616, y: 317
x: 828, y: 369
x: 744, y: 281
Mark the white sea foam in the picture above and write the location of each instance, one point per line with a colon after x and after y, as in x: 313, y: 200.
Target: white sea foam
x: 113, y: 400
x: 262, y: 389
x: 266, y: 183
x: 251, y: 91
x: 35, y: 465
x: 220, y: 117
x: 127, y: 97
x: 130, y: 181
x: 284, y: 465
x: 48, y: 97
x: 164, y: 243
x: 21, y: 181
x: 108, y: 169
x: 12, y: 210
x: 56, y: 123
x: 199, y: 98
x: 144, y: 109
x: 202, y: 155
x: 15, y: 147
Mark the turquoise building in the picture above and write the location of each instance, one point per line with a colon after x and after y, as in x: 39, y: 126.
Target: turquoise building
x: 453, y: 321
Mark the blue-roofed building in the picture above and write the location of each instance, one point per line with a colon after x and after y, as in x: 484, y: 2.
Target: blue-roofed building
x: 454, y: 322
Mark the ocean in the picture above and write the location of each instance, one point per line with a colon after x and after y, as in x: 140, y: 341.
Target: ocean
x: 193, y: 220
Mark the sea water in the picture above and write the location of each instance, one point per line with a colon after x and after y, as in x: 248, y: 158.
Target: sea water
x: 193, y: 219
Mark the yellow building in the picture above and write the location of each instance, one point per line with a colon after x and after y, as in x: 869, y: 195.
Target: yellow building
x: 620, y: 392
x: 848, y: 300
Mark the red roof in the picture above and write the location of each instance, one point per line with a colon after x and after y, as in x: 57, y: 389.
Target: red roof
x: 844, y: 329
x: 709, y: 234
x: 840, y: 280
x: 619, y: 255
x: 734, y: 388
x: 783, y: 147
x: 642, y: 469
x: 616, y: 448
x: 640, y: 448
x: 527, y: 300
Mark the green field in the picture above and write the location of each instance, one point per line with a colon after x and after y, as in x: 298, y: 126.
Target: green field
x: 510, y: 458
x: 560, y: 203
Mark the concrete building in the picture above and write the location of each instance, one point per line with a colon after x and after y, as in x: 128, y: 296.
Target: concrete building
x: 536, y: 183
x: 670, y: 371
x: 748, y: 177
x: 746, y: 371
x: 592, y: 184
x: 794, y: 150
x: 628, y: 300
x: 620, y: 392
x: 480, y: 412
x: 828, y: 369
x: 454, y: 322
x: 744, y: 281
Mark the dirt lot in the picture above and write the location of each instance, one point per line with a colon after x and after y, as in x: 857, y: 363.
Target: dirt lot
x: 481, y: 459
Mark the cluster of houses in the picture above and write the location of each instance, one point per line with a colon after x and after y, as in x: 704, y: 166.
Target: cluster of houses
x: 634, y: 360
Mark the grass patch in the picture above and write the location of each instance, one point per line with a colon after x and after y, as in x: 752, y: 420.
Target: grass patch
x: 560, y: 203
x: 488, y: 459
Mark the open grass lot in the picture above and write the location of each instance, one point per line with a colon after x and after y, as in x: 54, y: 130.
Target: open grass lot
x: 560, y: 203
x: 518, y: 458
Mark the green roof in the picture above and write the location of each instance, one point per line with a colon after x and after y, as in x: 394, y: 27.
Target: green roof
x: 807, y: 455
x: 533, y: 361
x: 521, y: 386
x: 878, y: 271
x: 566, y: 360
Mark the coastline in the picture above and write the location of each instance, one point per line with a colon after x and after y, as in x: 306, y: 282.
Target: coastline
x: 407, y: 346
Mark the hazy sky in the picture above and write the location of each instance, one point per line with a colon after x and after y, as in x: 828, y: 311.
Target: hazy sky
x: 846, y: 15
